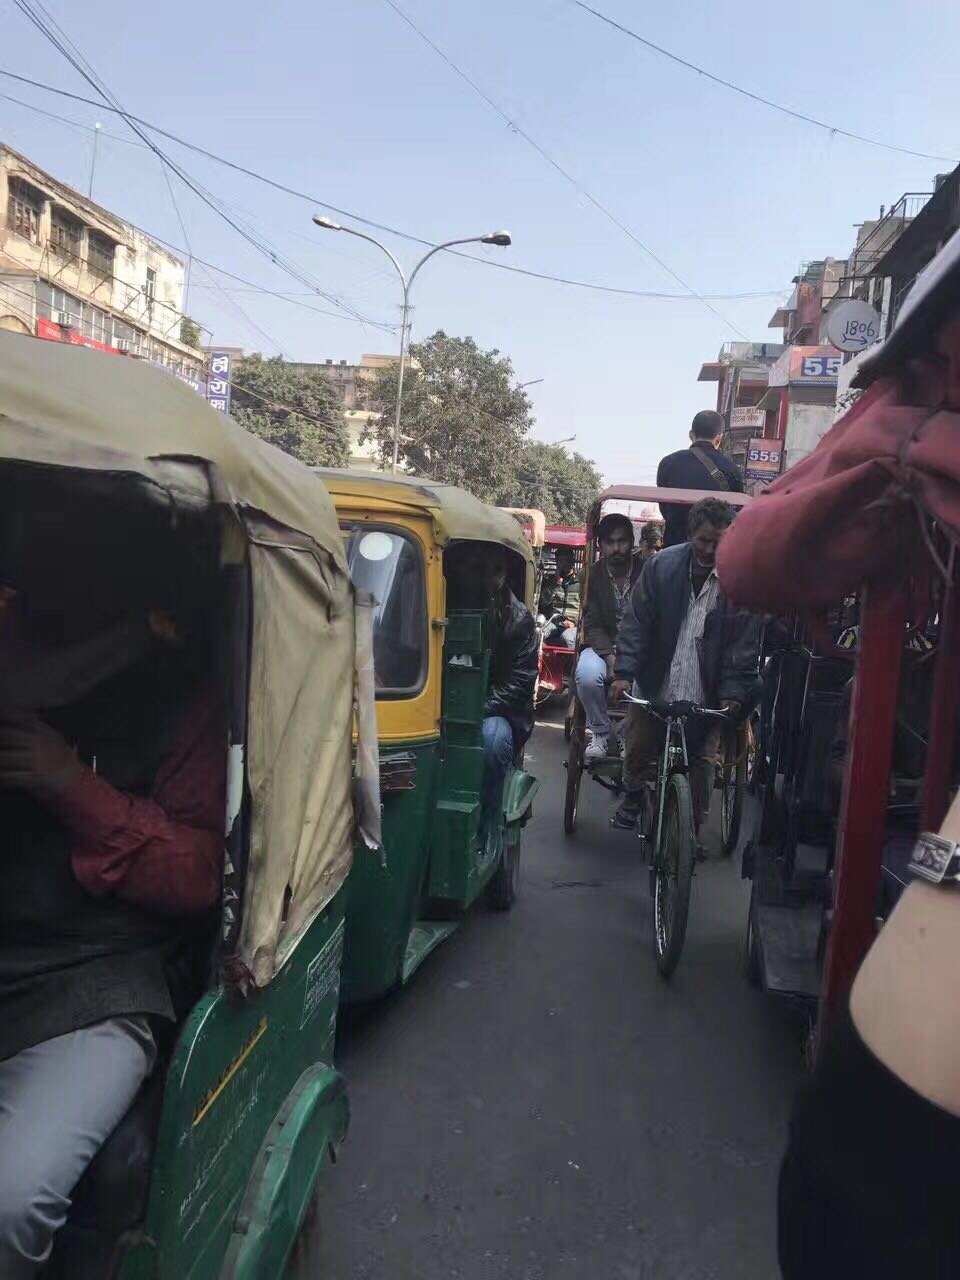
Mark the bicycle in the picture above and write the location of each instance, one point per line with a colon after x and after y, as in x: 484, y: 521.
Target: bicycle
x: 668, y: 812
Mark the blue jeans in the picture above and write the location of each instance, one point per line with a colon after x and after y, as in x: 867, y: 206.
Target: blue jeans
x: 497, y: 758
x: 592, y: 675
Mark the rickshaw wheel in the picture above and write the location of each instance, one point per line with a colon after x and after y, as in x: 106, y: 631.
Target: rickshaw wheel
x: 568, y: 718
x: 574, y: 776
x: 751, y: 952
x: 753, y: 753
x: 505, y: 884
x: 674, y: 875
x: 731, y: 809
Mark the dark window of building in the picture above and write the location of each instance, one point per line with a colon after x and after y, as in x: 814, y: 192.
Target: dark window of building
x: 23, y: 209
x: 150, y: 288
x: 65, y: 233
x: 100, y: 252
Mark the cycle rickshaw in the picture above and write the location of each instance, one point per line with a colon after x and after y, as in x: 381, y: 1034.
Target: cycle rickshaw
x: 880, y: 500
x: 667, y: 824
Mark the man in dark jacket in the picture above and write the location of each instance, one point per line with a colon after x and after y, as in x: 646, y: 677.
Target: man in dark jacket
x: 682, y: 640
x: 611, y: 580
x: 479, y: 581
x: 702, y: 466
x: 560, y: 598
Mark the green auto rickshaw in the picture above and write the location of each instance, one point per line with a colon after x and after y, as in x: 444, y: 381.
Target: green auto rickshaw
x: 112, y: 473
x: 440, y: 852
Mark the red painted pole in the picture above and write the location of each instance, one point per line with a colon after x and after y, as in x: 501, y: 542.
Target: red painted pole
x: 863, y: 809
x: 944, y: 706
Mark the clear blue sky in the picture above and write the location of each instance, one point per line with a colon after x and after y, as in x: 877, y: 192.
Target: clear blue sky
x: 341, y: 99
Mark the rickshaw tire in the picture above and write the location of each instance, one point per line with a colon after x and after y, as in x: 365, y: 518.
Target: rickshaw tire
x: 572, y: 793
x: 677, y: 798
x: 736, y: 818
x: 505, y: 883
x: 751, y: 953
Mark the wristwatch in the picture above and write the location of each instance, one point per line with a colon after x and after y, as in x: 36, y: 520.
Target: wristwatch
x: 935, y: 860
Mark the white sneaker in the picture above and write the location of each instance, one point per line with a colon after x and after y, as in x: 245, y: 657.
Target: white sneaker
x: 597, y: 749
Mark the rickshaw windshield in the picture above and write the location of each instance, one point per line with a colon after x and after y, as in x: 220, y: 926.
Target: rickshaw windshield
x: 387, y: 563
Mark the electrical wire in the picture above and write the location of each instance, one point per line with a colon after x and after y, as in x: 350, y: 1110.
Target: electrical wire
x: 756, y: 97
x: 555, y: 164
x: 35, y: 12
x: 349, y: 215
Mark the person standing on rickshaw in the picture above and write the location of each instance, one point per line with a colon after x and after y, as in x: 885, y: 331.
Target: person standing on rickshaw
x: 682, y: 640
x: 611, y: 583
x: 560, y: 594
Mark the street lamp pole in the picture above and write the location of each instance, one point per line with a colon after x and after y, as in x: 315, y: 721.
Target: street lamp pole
x: 501, y: 238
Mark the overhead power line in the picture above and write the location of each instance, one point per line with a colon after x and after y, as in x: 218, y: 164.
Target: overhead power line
x: 756, y: 97
x: 318, y: 201
x: 35, y: 12
x: 555, y: 164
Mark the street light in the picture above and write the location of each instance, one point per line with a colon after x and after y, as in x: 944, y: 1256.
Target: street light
x: 501, y: 238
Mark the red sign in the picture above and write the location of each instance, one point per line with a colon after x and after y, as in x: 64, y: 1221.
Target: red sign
x: 56, y: 333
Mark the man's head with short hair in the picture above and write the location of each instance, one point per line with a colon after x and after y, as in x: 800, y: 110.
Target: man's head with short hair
x: 615, y: 535
x: 564, y: 560
x: 651, y: 535
x: 707, y: 427
x: 708, y: 521
x: 478, y: 571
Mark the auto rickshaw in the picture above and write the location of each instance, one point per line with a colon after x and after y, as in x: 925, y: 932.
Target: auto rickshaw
x: 867, y: 668
x: 112, y: 472
x: 431, y: 667
x: 557, y: 660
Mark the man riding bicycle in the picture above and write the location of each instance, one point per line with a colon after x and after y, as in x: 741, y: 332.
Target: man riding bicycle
x: 682, y: 640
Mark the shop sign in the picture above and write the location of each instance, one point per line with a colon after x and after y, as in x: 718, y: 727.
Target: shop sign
x: 218, y: 382
x: 764, y: 459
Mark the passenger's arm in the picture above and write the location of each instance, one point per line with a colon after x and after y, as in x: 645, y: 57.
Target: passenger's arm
x: 164, y: 852
x: 516, y: 690
x: 595, y: 634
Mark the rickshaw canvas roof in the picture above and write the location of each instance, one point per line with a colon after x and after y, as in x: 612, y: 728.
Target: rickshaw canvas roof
x: 457, y: 514
x: 114, y: 413
x: 69, y: 407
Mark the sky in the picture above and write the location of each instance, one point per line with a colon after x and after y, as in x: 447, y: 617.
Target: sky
x: 342, y: 100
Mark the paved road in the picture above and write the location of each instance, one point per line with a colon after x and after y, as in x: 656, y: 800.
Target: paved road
x: 540, y: 1105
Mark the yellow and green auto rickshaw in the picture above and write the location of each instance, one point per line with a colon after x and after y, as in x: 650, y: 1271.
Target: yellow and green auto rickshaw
x: 113, y: 476
x: 431, y: 664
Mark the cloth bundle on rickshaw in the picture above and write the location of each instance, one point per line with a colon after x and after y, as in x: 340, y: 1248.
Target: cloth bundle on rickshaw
x: 856, y: 509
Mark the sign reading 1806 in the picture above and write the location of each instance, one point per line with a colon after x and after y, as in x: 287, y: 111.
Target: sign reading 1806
x: 821, y: 367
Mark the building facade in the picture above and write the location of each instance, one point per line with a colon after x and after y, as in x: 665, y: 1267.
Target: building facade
x: 741, y: 372
x: 352, y: 383
x: 71, y: 271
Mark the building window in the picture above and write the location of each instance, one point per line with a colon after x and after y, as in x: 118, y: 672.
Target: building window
x: 65, y: 233
x: 150, y: 288
x: 23, y: 209
x: 100, y: 255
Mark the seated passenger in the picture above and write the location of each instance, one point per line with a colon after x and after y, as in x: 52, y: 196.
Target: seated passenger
x: 560, y: 594
x: 112, y: 803
x: 612, y: 579
x: 479, y: 581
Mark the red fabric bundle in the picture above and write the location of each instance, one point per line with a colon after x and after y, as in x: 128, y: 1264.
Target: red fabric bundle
x: 851, y: 511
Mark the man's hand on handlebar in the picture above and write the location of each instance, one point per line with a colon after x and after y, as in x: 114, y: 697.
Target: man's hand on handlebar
x: 731, y: 707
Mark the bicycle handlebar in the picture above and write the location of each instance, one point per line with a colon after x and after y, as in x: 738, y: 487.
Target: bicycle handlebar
x: 674, y: 710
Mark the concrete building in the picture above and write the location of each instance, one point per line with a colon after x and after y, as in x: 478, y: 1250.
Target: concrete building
x: 71, y: 271
x: 741, y: 372
x: 352, y: 382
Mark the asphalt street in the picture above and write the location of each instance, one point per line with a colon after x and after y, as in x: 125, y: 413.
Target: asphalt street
x: 539, y: 1104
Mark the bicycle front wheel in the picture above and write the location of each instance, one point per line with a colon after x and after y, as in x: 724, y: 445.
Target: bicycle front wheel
x: 674, y: 874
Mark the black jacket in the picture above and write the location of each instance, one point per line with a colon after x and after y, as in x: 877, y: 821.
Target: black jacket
x: 513, y: 667
x: 684, y: 470
x: 600, y: 611
x: 730, y: 649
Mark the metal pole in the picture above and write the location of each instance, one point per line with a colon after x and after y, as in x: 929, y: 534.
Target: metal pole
x: 404, y: 325
x: 93, y: 158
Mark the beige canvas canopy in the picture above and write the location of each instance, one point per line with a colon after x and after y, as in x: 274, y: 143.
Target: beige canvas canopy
x: 69, y: 407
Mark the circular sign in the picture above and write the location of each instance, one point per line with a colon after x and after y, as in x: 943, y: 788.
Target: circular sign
x: 376, y: 545
x: 853, y: 325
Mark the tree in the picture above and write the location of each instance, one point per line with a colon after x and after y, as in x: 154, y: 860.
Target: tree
x: 561, y: 484
x: 464, y: 417
x: 190, y: 332
x: 296, y: 409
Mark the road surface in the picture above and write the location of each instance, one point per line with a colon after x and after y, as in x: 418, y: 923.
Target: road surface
x: 540, y: 1105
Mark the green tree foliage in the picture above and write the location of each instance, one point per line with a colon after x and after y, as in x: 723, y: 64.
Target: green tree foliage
x: 295, y: 409
x: 464, y: 418
x: 190, y: 332
x: 561, y: 484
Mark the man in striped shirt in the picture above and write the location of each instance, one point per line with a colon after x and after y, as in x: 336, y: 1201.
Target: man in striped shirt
x: 682, y: 640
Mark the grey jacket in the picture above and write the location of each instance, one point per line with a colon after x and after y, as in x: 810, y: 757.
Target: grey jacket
x: 729, y: 651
